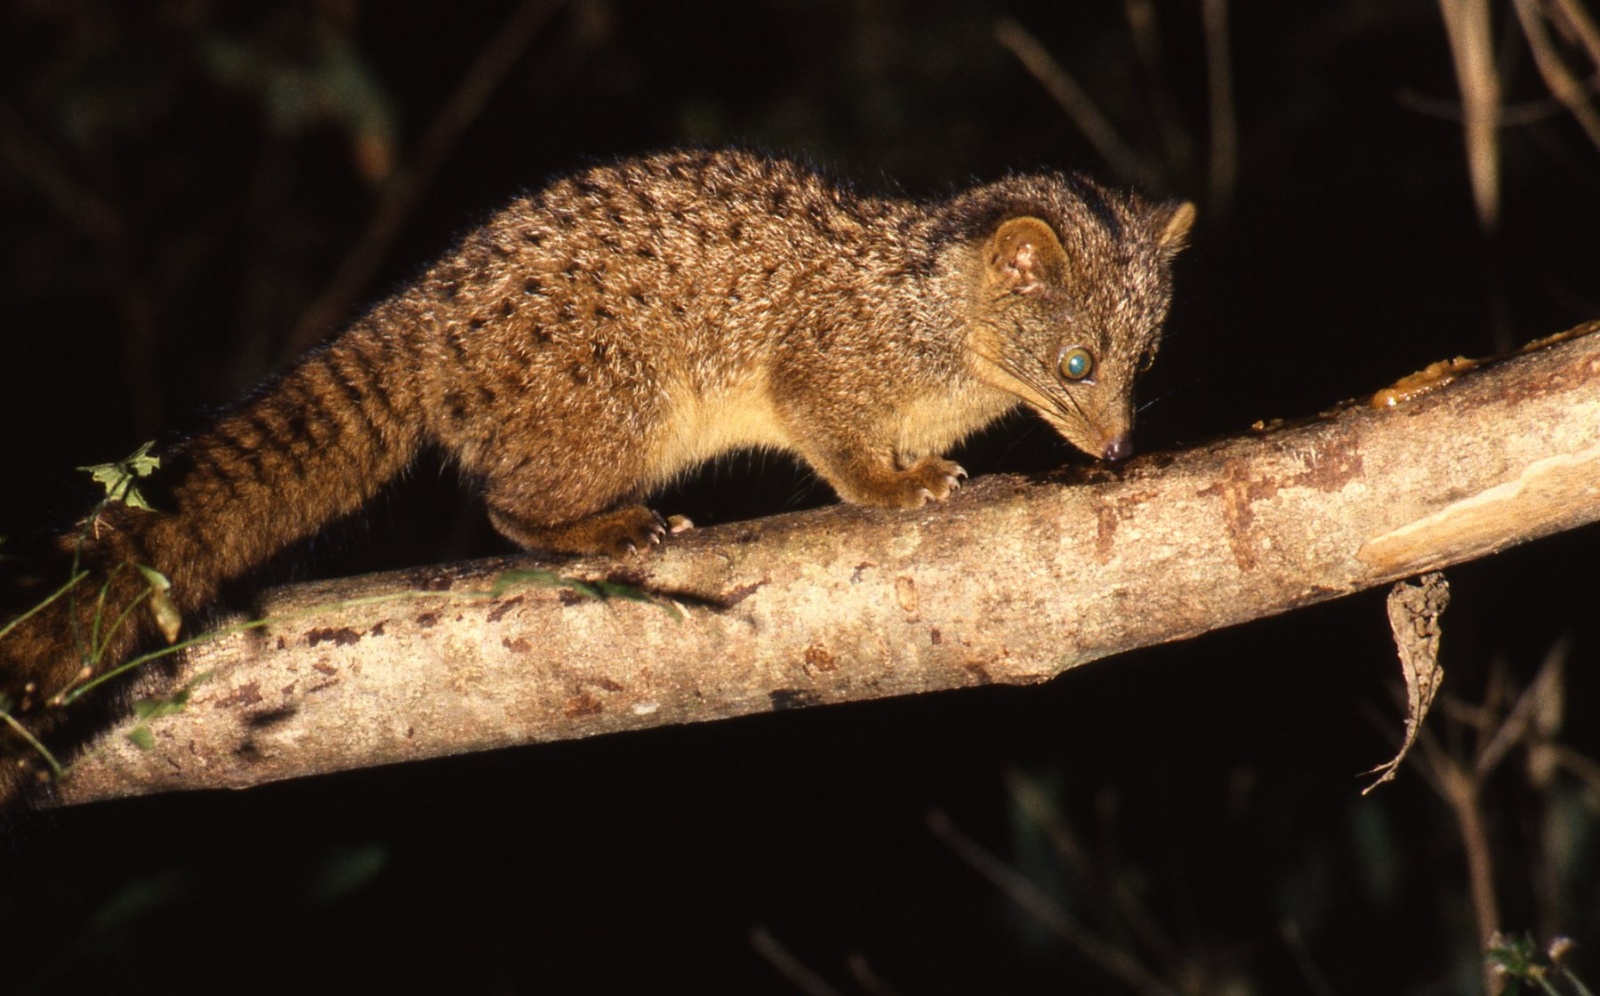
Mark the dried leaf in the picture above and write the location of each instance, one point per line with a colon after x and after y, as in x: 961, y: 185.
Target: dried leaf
x: 1414, y: 611
x: 168, y: 619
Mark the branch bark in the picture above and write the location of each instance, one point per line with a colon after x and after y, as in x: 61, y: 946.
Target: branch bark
x: 1010, y: 581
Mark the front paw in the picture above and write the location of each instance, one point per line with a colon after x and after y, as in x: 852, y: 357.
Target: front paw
x: 936, y: 477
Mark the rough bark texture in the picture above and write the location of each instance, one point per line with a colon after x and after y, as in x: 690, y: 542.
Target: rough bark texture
x: 1009, y: 581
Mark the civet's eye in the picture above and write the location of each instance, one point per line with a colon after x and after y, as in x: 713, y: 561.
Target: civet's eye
x: 1147, y: 359
x: 1076, y: 363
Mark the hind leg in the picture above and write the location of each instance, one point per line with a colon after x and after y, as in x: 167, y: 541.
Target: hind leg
x: 602, y: 514
x: 617, y: 533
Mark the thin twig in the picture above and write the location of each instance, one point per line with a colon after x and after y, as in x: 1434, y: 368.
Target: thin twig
x: 1057, y: 82
x: 1022, y: 891
x: 33, y: 742
x: 869, y: 980
x: 406, y: 187
x: 1581, y: 766
x: 1144, y: 28
x: 1509, y: 115
x: 1033, y: 804
x: 1464, y: 799
x: 1459, y: 787
x: 1576, y: 23
x: 1520, y: 721
x: 72, y: 582
x: 1224, y: 164
x: 788, y: 966
x: 1564, y: 86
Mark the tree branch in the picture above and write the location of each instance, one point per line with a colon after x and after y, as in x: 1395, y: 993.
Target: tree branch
x: 1010, y: 581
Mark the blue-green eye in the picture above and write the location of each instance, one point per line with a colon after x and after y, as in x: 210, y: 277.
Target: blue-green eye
x: 1076, y: 363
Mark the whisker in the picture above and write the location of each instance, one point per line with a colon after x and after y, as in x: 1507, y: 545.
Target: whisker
x: 1177, y: 389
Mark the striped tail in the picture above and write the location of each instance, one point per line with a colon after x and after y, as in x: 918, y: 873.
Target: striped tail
x: 311, y: 447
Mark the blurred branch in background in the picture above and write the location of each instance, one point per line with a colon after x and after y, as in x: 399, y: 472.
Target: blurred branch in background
x: 1129, y: 165
x: 1064, y: 90
x: 1466, y: 25
x: 1144, y: 28
x: 790, y: 968
x: 1109, y: 957
x: 1564, y: 86
x: 409, y: 182
x: 1468, y: 31
x: 1505, y: 721
x: 1571, y: 93
x: 100, y: 223
x: 1223, y: 171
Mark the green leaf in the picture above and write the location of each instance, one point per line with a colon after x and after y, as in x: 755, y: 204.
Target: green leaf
x: 141, y: 737
x: 600, y: 591
x: 119, y: 478
x: 148, y: 709
x: 529, y: 576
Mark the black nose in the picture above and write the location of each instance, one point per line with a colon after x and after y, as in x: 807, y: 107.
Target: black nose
x: 1118, y: 449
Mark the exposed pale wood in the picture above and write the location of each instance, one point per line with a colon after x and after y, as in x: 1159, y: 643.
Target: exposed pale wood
x: 1010, y: 581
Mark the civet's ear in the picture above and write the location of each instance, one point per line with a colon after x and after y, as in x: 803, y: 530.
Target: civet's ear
x: 1025, y: 256
x: 1175, y: 233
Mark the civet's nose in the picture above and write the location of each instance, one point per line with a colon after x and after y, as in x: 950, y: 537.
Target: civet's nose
x: 1119, y: 449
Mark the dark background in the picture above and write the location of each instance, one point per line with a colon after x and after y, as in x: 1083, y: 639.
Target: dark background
x: 179, y: 181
